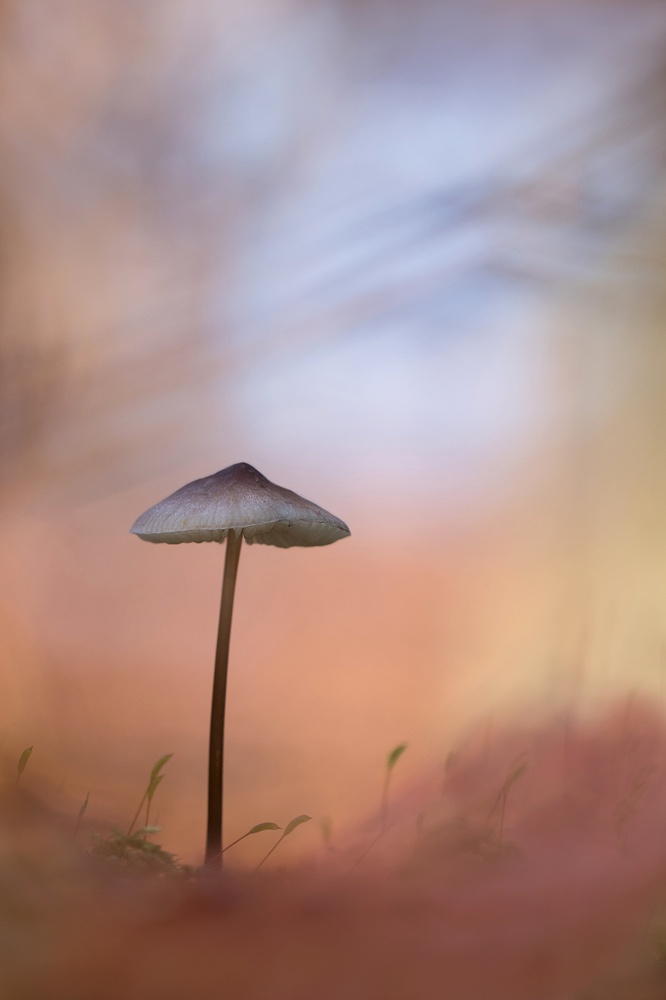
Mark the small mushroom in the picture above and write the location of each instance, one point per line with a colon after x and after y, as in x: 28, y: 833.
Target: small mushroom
x: 236, y: 503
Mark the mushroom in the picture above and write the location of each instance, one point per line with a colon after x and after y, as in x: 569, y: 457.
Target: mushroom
x: 236, y: 503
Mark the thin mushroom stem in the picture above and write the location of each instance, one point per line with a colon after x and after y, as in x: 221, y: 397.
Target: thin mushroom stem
x: 216, y: 745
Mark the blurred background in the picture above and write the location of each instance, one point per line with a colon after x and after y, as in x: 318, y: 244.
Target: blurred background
x: 406, y: 259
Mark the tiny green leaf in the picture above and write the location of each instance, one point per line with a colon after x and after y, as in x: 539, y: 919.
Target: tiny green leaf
x: 23, y: 760
x: 80, y: 816
x: 159, y: 765
x: 84, y: 806
x: 153, y: 785
x: 297, y: 821
x: 260, y: 827
x: 153, y: 782
x: 395, y: 755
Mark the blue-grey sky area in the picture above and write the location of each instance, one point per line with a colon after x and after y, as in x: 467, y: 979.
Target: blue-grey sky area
x: 420, y: 216
x: 341, y: 233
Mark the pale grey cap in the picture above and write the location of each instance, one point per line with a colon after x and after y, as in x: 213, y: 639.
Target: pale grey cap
x: 241, y: 500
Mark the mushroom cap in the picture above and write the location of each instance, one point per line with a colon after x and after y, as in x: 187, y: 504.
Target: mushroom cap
x: 241, y: 500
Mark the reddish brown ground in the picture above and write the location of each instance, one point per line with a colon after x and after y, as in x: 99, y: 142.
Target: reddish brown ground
x: 569, y: 906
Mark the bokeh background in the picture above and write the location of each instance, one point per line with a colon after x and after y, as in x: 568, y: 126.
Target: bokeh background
x: 406, y: 259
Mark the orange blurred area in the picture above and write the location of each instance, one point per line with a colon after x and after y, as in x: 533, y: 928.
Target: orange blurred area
x: 409, y: 263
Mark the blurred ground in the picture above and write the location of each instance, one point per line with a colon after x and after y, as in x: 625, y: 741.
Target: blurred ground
x: 406, y: 260
x: 555, y: 890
